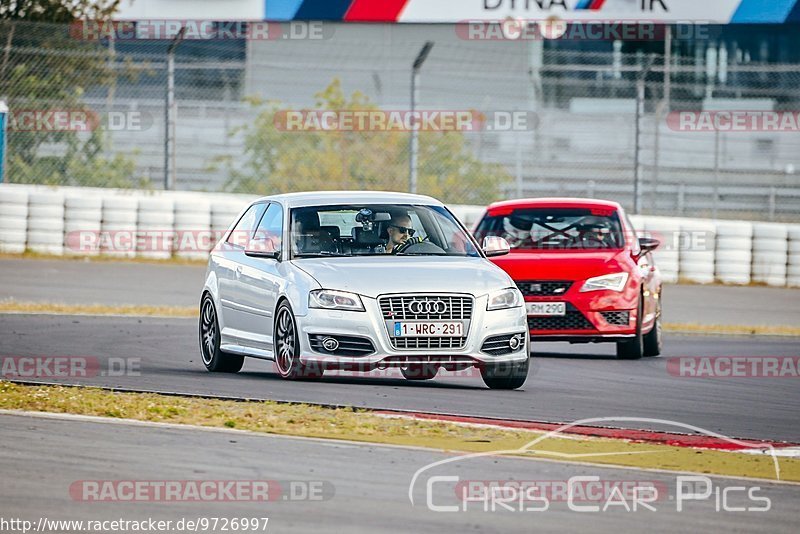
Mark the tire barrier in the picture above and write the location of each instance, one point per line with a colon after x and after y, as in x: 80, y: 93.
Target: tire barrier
x: 734, y: 252
x: 183, y: 224
x: 13, y: 220
x: 46, y: 222
x: 793, y: 268
x: 83, y: 218
x: 667, y: 256
x: 154, y: 228
x: 223, y: 215
x: 770, y: 253
x: 118, y: 227
x: 192, y: 229
x: 697, y: 250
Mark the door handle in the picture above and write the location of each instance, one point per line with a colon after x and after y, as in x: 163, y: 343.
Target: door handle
x: 238, y: 271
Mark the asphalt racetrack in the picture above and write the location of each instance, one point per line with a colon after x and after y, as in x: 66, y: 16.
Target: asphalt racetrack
x: 576, y: 382
x: 329, y: 486
x: 566, y: 382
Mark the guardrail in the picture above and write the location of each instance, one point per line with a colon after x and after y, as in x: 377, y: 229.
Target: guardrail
x: 162, y: 224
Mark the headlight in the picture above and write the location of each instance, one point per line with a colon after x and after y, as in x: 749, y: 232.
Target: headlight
x: 505, y: 298
x: 334, y: 300
x: 610, y: 282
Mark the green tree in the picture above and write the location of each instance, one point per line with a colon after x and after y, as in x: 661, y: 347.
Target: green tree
x: 47, y: 67
x: 276, y: 160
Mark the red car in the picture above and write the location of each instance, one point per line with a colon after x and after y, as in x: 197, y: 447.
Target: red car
x: 585, y: 275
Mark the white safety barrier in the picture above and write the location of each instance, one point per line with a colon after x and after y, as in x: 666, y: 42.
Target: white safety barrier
x: 161, y: 224
x: 192, y: 229
x: 469, y: 215
x: 46, y: 222
x: 793, y: 265
x: 13, y: 220
x: 734, y: 252
x: 697, y: 250
x: 83, y: 218
x: 223, y: 215
x: 770, y: 253
x: 118, y: 228
x: 666, y: 256
x: 154, y: 228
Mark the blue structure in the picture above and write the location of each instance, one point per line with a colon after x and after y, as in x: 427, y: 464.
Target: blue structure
x: 3, y: 125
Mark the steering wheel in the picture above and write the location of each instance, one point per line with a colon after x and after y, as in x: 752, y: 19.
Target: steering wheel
x: 411, y: 241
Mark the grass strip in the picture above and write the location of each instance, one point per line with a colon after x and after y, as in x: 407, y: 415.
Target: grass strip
x: 361, y: 425
x: 14, y: 306
x: 739, y: 330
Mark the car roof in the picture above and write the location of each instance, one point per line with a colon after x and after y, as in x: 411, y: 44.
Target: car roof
x: 555, y: 202
x: 324, y: 198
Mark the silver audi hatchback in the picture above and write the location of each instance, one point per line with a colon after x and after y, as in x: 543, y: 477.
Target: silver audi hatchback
x: 359, y: 281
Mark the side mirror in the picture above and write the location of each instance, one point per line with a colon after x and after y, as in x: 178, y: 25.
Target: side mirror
x: 262, y: 248
x: 495, y: 246
x: 648, y: 244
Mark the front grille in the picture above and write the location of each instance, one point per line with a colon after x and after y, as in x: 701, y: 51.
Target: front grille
x: 452, y: 308
x: 397, y: 307
x: 618, y: 318
x: 544, y: 288
x: 348, y: 345
x: 573, y: 320
x: 500, y: 345
x: 414, y: 343
x: 441, y: 360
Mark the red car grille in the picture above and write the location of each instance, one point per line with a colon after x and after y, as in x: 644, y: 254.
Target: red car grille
x: 544, y: 288
x: 573, y: 320
x: 617, y: 318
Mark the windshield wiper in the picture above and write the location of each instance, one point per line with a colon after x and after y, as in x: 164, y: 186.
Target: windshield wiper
x: 321, y: 254
x: 421, y: 254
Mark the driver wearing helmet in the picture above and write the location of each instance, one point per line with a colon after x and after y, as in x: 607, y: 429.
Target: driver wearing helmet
x: 517, y: 230
x: 595, y: 232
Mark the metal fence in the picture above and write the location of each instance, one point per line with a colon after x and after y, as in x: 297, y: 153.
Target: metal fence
x: 711, y: 135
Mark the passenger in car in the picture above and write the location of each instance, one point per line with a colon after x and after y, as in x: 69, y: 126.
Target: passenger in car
x: 309, y: 236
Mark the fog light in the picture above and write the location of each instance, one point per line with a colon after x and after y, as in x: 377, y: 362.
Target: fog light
x: 330, y: 344
x: 514, y: 343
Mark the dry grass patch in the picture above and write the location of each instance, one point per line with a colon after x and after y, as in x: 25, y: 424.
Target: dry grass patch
x: 740, y: 330
x: 14, y: 306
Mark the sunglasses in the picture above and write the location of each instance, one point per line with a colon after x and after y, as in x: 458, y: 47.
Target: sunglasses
x: 404, y: 230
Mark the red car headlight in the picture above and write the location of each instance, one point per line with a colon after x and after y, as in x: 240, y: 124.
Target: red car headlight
x: 608, y: 282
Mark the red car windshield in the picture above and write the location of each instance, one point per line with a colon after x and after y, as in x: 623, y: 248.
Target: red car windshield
x: 555, y: 228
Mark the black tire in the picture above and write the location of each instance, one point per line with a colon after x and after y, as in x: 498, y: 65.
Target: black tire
x: 287, y: 347
x: 419, y: 371
x: 653, y: 340
x: 633, y: 349
x: 505, y: 375
x: 214, y: 359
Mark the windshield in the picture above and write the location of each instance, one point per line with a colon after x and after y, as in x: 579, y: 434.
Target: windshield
x: 555, y: 229
x: 373, y: 230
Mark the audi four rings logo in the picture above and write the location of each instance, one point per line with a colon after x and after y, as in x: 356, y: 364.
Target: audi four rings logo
x: 428, y: 307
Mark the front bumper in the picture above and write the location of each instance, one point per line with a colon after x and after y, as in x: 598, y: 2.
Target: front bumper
x: 371, y: 326
x: 591, y: 317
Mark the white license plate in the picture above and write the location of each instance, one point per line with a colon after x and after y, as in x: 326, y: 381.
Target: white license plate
x: 428, y: 328
x: 547, y: 309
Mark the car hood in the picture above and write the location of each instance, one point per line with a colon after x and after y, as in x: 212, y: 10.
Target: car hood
x: 373, y: 276
x: 562, y: 265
